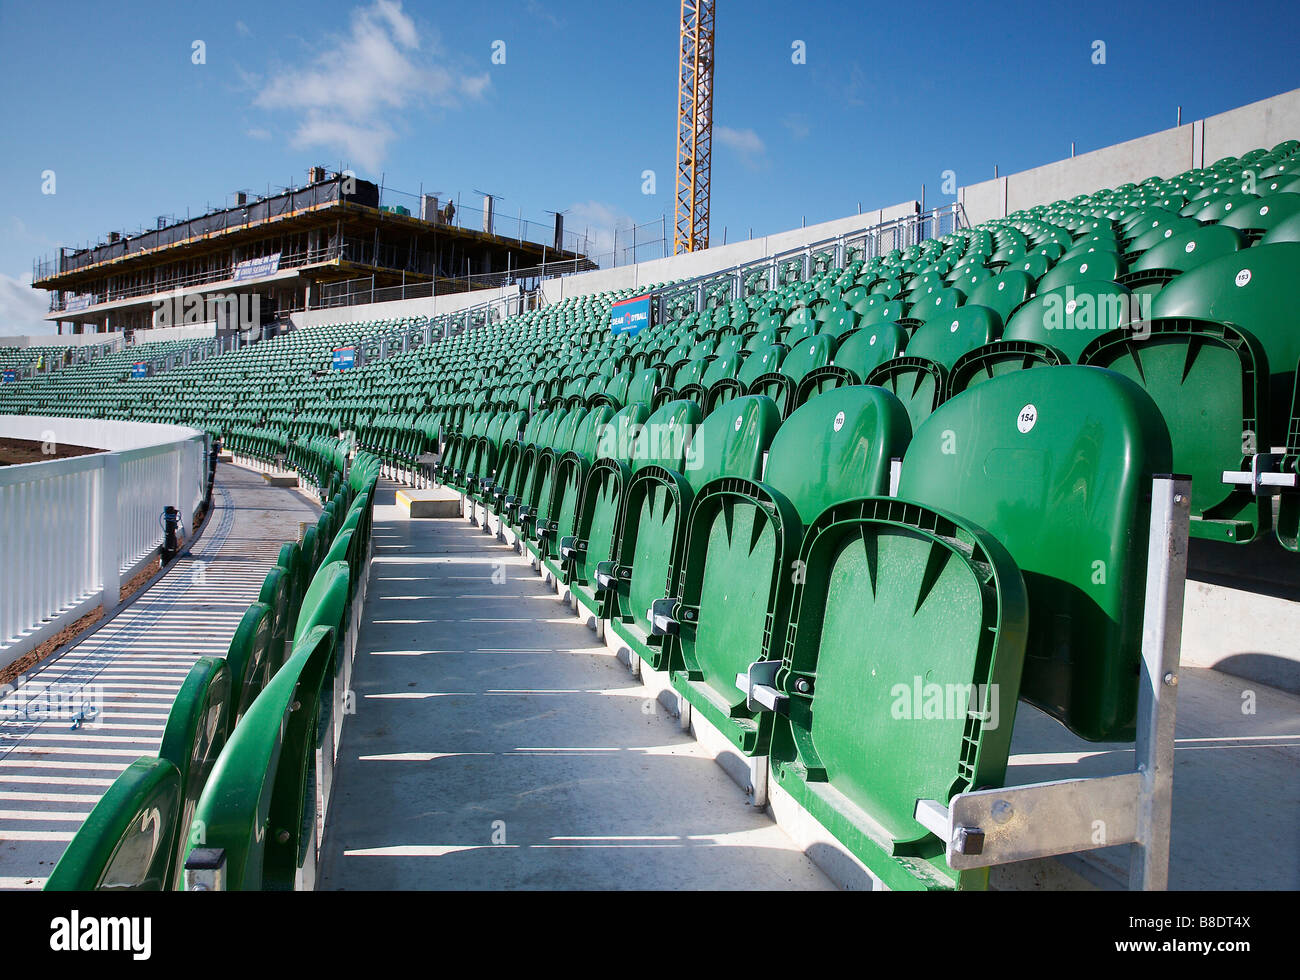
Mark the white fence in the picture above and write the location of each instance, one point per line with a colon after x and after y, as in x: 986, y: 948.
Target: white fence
x: 73, y: 530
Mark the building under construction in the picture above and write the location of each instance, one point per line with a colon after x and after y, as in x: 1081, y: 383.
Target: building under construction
x: 296, y: 250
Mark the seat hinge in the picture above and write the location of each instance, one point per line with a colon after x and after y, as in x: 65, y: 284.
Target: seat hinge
x: 571, y: 547
x: 660, y: 617
x: 1265, y: 477
x: 758, y: 684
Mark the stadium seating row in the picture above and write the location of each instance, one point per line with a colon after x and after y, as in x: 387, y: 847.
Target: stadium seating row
x: 248, y: 749
x: 720, y: 488
x: 724, y: 530
x: 714, y: 546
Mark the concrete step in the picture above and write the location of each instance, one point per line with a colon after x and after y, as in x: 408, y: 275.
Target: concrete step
x: 497, y: 744
x: 436, y: 502
x: 1236, y: 801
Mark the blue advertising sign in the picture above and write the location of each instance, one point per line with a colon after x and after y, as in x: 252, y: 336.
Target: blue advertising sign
x: 140, y: 370
x: 10, y: 375
x: 256, y: 268
x: 631, y: 315
x: 345, y: 358
x: 74, y: 303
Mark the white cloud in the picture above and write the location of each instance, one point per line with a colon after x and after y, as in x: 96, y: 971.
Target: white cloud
x: 852, y: 90
x: 258, y: 133
x: 798, y: 126
x: 538, y: 10
x: 376, y: 70
x: 242, y: 28
x: 365, y: 143
x: 745, y: 142
x: 22, y: 308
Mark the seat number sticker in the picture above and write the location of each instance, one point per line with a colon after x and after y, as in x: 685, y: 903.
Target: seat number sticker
x: 1026, y: 419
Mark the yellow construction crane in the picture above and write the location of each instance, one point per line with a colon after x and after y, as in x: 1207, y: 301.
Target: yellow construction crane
x: 694, y: 127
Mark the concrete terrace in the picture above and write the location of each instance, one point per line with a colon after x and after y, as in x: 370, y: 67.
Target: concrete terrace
x: 498, y: 743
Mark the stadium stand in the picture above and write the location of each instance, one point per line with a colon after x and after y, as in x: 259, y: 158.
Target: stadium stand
x: 250, y: 736
x: 789, y: 498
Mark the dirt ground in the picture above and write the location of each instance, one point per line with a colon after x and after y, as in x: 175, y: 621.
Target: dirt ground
x: 14, y: 451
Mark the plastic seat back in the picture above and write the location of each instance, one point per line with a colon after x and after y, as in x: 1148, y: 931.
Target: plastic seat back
x: 744, y: 535
x: 1057, y: 465
x: 127, y: 843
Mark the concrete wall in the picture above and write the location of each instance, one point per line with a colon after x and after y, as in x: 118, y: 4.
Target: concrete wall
x: 110, y: 434
x: 1265, y: 123
x: 1242, y: 611
x: 1163, y: 154
x: 193, y: 331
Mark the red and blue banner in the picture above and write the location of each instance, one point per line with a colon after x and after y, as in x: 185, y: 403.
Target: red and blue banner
x: 631, y: 315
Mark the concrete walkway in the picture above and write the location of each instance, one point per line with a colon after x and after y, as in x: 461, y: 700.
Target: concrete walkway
x: 51, y: 775
x: 1236, y: 806
x: 498, y: 744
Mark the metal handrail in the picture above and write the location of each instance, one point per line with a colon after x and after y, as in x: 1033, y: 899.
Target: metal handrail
x: 772, y: 264
x: 291, y: 261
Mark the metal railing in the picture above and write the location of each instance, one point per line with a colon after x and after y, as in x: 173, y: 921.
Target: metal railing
x: 467, y: 217
x: 209, y: 223
x: 356, y: 292
x: 801, y: 262
x: 866, y: 243
x: 345, y: 250
x: 73, y: 530
x: 422, y: 331
x: 627, y: 246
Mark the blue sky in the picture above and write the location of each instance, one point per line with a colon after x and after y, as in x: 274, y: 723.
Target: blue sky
x: 110, y: 99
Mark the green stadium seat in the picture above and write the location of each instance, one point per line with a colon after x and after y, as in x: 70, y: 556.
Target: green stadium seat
x: 1003, y: 293
x: 128, y: 842
x: 660, y: 443
x: 742, y: 540
x: 259, y: 796
x: 646, y: 556
x: 949, y: 585
x: 1219, y: 358
x: 193, y: 738
x: 780, y: 384
x: 919, y: 376
x: 1163, y: 261
x: 558, y: 499
x: 249, y: 659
